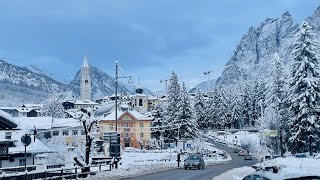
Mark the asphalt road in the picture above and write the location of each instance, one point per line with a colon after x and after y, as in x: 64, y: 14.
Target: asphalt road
x: 203, y: 174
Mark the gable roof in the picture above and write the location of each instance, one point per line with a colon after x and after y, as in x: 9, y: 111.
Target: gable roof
x: 28, y: 123
x: 7, y: 121
x: 132, y: 113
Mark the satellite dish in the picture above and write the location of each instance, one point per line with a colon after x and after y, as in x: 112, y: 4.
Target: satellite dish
x: 26, y: 140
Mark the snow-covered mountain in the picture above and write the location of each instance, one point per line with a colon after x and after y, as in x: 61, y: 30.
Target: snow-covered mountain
x: 253, y: 55
x: 21, y: 85
x: 204, y: 86
x: 103, y: 84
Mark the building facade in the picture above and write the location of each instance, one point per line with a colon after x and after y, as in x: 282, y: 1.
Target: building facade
x: 134, y: 128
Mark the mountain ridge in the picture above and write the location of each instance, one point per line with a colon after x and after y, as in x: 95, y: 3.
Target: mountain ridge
x: 20, y: 85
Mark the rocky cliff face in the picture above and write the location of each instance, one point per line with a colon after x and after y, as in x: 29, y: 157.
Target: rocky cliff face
x: 253, y: 55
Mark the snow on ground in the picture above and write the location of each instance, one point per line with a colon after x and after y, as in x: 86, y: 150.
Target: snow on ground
x: 235, y: 174
x: 138, y: 163
x: 241, y: 138
x: 290, y: 167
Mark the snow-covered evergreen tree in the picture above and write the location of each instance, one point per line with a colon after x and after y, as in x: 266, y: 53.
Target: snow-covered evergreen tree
x: 157, y: 123
x: 236, y: 110
x: 247, y: 105
x: 199, y: 110
x: 211, y: 111
x: 304, y: 92
x: 185, y: 121
x: 171, y: 110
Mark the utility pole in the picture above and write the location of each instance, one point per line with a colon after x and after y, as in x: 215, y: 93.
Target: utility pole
x: 166, y: 83
x: 116, y: 96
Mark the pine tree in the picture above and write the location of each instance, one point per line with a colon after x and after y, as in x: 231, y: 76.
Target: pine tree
x: 211, y: 110
x: 247, y: 105
x: 158, y: 122
x: 275, y: 99
x: 236, y: 110
x: 187, y: 125
x: 304, y: 92
x: 199, y: 106
x: 171, y: 110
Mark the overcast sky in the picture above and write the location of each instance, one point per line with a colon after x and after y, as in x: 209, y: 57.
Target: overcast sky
x: 149, y: 38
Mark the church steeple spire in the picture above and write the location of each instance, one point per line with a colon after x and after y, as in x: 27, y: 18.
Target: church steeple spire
x: 85, y: 60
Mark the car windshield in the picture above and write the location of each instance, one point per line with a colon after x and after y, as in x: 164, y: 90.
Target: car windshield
x: 193, y: 157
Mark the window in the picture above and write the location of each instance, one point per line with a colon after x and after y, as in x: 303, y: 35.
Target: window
x: 75, y: 132
x: 126, y: 125
x: 65, y: 132
x: 82, y: 132
x: 3, y: 149
x: 55, y: 133
x: 141, y: 135
x: 111, y: 126
x: 140, y: 102
x: 126, y: 135
x: 22, y: 162
x: 141, y: 125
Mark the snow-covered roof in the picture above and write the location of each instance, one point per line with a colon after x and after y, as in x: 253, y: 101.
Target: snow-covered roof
x: 134, y: 113
x: 24, y: 109
x: 64, y: 96
x: 28, y: 123
x: 7, y: 120
x: 35, y: 147
x: 8, y: 108
x: 153, y: 98
x: 85, y: 102
x: 104, y: 108
x: 140, y: 95
x: 32, y: 105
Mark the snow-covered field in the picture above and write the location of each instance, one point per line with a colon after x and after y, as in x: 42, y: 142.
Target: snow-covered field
x: 290, y: 167
x: 139, y: 163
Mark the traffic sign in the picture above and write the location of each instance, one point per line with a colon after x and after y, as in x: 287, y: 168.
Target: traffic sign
x: 26, y: 140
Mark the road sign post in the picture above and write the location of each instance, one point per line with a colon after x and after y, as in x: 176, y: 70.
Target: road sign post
x: 25, y: 140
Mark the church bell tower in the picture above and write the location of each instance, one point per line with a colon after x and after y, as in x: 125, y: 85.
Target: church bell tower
x: 85, y: 80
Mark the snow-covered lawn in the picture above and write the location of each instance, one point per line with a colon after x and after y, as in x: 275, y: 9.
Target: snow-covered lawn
x: 290, y: 167
x: 139, y: 163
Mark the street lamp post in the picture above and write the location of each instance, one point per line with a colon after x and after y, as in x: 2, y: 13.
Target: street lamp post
x: 116, y: 96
